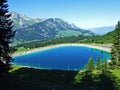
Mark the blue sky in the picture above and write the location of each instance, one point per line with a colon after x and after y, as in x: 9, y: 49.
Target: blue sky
x: 83, y: 13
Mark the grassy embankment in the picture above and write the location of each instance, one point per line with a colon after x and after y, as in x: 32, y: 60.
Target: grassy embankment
x: 22, y: 48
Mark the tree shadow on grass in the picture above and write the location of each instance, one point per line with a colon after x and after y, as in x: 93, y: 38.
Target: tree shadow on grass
x: 38, y: 79
x: 9, y: 82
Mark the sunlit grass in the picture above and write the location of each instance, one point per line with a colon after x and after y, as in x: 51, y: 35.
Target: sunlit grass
x: 116, y: 73
x: 14, y: 67
x: 21, y: 49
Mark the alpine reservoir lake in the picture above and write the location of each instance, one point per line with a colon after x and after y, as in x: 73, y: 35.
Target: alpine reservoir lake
x: 61, y: 58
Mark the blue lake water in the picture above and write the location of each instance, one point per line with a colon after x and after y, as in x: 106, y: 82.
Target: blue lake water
x: 61, y: 58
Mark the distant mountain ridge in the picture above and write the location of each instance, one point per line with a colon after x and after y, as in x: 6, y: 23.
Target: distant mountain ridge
x: 102, y: 30
x: 28, y: 29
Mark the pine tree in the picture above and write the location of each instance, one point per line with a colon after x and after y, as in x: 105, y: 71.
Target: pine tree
x: 90, y: 65
x: 98, y: 64
x: 6, y: 34
x: 115, y: 52
x: 104, y: 67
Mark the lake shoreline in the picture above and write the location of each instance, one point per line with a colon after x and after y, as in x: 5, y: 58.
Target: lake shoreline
x: 94, y: 46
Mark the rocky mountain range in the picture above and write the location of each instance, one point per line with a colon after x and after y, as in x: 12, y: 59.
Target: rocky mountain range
x: 22, y: 21
x: 28, y: 29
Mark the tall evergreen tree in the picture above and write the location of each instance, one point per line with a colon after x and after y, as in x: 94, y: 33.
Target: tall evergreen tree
x: 6, y: 34
x: 98, y: 64
x: 104, y: 65
x: 90, y: 65
x: 115, y: 52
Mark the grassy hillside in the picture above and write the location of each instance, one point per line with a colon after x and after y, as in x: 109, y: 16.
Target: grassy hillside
x: 68, y: 33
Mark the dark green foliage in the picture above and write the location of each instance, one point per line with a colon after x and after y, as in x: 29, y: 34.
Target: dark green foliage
x: 115, y: 52
x: 87, y: 81
x: 98, y: 81
x: 6, y: 34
